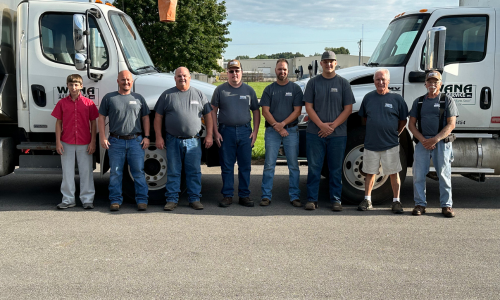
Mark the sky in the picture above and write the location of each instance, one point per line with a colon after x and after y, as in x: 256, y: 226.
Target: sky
x: 308, y: 26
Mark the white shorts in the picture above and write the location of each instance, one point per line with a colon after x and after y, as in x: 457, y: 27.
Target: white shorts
x: 391, y: 164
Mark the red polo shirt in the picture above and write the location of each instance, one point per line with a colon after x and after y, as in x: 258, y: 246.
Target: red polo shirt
x: 76, y: 116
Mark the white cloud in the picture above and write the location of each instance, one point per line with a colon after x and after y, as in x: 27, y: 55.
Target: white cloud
x: 325, y: 14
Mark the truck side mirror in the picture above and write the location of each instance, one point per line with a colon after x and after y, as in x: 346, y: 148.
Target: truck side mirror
x: 301, y: 71
x: 435, y: 43
x: 79, y: 41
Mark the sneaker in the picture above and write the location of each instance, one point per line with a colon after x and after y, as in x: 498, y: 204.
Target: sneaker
x: 196, y: 205
x: 296, y: 203
x: 114, y: 207
x: 365, y: 205
x: 418, y: 210
x: 88, y: 205
x: 63, y: 205
x: 311, y: 205
x: 170, y: 206
x: 226, y: 202
x: 265, y: 202
x: 245, y: 201
x: 337, y: 206
x: 397, y: 207
x: 448, y: 212
x: 142, y: 206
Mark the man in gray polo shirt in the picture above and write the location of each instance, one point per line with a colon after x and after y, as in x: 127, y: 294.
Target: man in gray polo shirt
x: 385, y: 114
x: 436, y: 119
x: 233, y: 102
x: 182, y: 108
x: 329, y: 99
x: 125, y: 111
x: 281, y: 105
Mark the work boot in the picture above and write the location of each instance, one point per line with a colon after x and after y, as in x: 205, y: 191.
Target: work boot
x: 265, y: 202
x: 245, y: 201
x: 311, y: 205
x: 196, y: 205
x: 296, y: 203
x: 114, y: 207
x: 448, y: 212
x: 397, y: 207
x: 142, y: 206
x: 365, y: 205
x: 418, y: 210
x: 226, y: 202
x: 337, y: 206
x: 170, y: 206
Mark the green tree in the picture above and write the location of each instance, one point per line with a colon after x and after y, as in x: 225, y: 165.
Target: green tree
x: 195, y: 40
x: 242, y: 57
x: 340, y: 50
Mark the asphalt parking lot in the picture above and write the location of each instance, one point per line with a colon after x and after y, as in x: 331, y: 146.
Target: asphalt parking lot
x: 275, y: 252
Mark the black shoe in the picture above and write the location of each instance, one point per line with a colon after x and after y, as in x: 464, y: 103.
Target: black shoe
x: 226, y: 202
x: 245, y: 201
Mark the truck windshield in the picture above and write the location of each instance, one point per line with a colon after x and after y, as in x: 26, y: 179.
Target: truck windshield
x: 134, y: 51
x: 397, y: 41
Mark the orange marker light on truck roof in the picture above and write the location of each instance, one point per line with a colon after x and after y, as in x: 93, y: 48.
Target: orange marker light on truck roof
x: 98, y: 1
x: 423, y: 10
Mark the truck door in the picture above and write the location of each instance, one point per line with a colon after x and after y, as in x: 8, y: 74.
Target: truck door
x: 469, y: 61
x: 51, y: 59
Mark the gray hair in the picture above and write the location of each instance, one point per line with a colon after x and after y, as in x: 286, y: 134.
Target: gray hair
x: 382, y: 71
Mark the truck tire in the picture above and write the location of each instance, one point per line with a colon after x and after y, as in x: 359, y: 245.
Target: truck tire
x: 353, y: 178
x: 155, y: 169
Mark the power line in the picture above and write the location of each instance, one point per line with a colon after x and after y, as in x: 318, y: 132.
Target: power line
x: 301, y: 43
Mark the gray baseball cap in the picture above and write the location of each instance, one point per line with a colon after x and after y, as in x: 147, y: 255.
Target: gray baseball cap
x: 328, y: 55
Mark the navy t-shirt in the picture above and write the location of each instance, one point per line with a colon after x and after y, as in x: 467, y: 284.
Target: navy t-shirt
x: 383, y: 113
x: 281, y: 100
x: 429, y: 114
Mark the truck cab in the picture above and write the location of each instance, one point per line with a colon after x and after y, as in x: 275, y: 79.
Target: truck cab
x: 46, y: 54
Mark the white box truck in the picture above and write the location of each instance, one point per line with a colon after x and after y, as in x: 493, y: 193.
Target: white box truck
x: 471, y: 75
x: 42, y: 42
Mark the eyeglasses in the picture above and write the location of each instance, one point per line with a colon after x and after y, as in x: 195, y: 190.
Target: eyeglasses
x: 234, y: 71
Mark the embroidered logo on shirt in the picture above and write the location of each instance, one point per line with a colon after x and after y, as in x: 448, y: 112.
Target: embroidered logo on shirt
x: 243, y: 97
x: 132, y: 102
x: 194, y: 102
x: 388, y: 105
x: 436, y: 104
x: 288, y: 94
x: 333, y: 90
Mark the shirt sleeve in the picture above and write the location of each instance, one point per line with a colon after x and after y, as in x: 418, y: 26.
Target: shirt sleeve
x: 144, y: 107
x: 362, y: 109
x: 254, y: 102
x: 160, y: 104
x: 266, y: 97
x: 57, y: 112
x: 104, y: 107
x: 403, y: 108
x: 348, y: 96
x: 216, y: 97
x: 93, y: 112
x: 452, y: 109
x: 299, y: 96
x: 413, y: 111
x: 309, y: 92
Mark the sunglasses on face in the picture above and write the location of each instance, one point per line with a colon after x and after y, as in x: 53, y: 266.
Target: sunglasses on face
x: 234, y: 71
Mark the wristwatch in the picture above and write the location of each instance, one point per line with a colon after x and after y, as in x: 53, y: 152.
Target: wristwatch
x: 146, y: 137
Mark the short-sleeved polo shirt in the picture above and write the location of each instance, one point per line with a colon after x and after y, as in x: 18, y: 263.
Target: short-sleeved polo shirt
x: 76, y: 116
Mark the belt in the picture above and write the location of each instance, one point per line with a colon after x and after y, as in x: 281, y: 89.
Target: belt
x: 187, y: 137
x: 286, y: 126
x: 244, y: 125
x: 125, y: 137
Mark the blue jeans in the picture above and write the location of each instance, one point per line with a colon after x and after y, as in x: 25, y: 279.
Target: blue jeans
x: 291, y: 145
x: 316, y: 148
x: 130, y: 150
x: 179, y: 151
x: 442, y: 157
x: 236, y: 145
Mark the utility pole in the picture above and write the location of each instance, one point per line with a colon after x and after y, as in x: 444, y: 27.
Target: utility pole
x: 359, y: 46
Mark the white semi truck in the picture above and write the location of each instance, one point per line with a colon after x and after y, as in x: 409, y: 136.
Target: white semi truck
x: 42, y: 42
x: 471, y: 75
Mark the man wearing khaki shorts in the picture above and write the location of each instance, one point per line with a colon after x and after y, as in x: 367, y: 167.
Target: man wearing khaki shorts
x: 385, y: 115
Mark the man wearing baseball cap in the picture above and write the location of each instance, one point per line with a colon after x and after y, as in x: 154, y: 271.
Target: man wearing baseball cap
x: 328, y: 99
x: 432, y: 119
x: 232, y: 102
